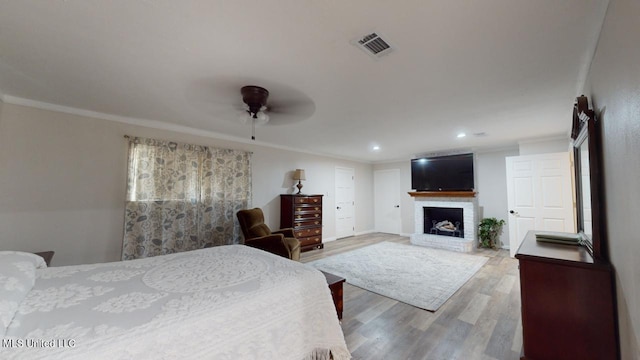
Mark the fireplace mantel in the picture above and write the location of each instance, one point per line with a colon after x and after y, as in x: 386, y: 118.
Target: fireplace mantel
x: 442, y: 193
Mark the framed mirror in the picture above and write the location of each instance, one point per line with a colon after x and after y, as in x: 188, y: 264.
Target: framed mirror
x: 587, y: 150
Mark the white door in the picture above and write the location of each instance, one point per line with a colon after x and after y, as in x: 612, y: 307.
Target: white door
x: 345, y: 202
x: 386, y: 191
x: 539, y: 195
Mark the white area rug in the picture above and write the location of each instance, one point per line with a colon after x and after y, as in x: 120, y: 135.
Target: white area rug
x: 416, y: 275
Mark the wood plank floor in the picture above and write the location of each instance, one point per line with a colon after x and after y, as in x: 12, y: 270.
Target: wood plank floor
x: 480, y: 321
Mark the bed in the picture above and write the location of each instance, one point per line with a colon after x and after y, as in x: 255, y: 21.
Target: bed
x: 227, y: 302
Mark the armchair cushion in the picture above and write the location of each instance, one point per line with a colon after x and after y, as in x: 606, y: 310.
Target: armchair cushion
x: 259, y: 230
x: 287, y: 232
x: 294, y: 247
x: 274, y: 244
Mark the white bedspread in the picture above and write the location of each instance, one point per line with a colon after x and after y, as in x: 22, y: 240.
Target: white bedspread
x: 229, y: 302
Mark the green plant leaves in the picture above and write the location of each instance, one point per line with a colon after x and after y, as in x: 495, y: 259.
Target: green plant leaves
x: 488, y: 231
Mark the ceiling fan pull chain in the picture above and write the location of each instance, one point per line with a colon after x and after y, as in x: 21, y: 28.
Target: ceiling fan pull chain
x: 253, y: 128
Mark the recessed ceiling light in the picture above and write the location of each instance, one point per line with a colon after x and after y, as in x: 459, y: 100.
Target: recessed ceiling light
x: 461, y: 135
x: 376, y: 147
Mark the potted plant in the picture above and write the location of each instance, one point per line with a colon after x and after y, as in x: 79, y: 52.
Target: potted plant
x: 488, y: 231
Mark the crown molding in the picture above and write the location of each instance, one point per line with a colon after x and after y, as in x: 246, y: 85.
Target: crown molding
x: 587, y: 58
x: 543, y: 139
x: 160, y: 125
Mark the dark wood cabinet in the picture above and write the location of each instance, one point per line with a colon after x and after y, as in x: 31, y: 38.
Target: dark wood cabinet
x: 568, y: 302
x: 303, y: 213
x: 335, y: 286
x: 47, y: 256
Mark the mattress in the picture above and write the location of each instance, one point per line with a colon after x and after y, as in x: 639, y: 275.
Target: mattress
x: 227, y: 302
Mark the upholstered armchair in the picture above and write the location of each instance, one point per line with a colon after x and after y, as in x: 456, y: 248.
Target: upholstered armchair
x: 257, y: 234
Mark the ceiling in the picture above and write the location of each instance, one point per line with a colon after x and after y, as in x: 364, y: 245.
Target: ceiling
x: 509, y: 69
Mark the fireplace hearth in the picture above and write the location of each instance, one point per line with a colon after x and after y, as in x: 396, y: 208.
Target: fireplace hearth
x: 446, y: 222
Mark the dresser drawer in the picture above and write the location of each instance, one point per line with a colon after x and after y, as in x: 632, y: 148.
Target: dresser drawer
x: 304, y: 223
x: 308, y: 207
x: 308, y: 200
x: 302, y: 233
x: 310, y: 241
x: 303, y: 213
x: 312, y: 215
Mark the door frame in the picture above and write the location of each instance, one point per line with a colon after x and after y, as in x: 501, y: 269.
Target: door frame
x: 398, y: 224
x: 352, y: 171
x: 535, y: 210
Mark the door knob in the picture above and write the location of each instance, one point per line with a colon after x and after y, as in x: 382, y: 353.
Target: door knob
x: 397, y: 206
x: 338, y: 207
x: 511, y: 212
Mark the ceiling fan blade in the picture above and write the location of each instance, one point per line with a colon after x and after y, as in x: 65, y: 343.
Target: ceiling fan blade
x: 222, y: 99
x: 277, y: 119
x: 284, y: 112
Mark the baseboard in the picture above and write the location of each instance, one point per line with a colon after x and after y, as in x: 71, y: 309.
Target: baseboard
x: 357, y: 233
x: 364, y: 232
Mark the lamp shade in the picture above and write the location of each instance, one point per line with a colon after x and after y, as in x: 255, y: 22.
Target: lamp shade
x: 299, y: 175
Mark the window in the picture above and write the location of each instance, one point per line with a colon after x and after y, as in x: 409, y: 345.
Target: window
x: 183, y: 197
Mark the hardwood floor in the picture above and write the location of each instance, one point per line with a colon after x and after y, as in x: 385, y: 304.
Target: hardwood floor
x: 481, y: 321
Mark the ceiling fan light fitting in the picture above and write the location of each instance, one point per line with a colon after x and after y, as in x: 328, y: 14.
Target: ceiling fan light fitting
x: 255, y: 97
x: 261, y: 118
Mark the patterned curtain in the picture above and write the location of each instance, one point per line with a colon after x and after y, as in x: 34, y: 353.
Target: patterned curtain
x: 183, y: 197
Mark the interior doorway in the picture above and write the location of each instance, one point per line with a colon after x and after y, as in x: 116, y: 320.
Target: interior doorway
x: 539, y: 195
x: 386, y: 189
x: 345, y: 202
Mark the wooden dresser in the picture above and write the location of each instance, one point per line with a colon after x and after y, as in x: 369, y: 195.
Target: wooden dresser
x: 568, y: 309
x: 303, y: 213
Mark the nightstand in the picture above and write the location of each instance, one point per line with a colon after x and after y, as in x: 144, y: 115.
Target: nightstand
x: 46, y: 255
x: 335, y: 285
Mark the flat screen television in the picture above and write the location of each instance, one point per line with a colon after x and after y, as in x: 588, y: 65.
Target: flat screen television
x: 443, y: 173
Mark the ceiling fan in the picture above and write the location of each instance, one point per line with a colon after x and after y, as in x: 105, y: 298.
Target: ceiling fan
x: 255, y: 105
x: 287, y: 107
x: 281, y: 105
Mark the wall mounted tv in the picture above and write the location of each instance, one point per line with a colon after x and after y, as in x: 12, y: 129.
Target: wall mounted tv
x: 443, y: 173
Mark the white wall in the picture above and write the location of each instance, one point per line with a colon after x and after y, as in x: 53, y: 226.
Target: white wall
x: 491, y: 178
x: 491, y: 181
x: 63, y: 182
x: 272, y: 171
x: 406, y: 201
x: 614, y: 89
x: 546, y: 146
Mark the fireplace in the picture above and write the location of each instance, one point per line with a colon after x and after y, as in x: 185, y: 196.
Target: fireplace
x: 460, y: 211
x: 444, y: 221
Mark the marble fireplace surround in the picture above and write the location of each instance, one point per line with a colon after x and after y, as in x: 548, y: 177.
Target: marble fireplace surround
x: 458, y: 199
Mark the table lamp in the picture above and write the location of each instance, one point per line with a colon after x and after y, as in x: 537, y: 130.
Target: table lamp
x: 299, y: 175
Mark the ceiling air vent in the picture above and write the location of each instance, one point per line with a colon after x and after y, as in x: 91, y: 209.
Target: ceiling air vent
x: 374, y: 45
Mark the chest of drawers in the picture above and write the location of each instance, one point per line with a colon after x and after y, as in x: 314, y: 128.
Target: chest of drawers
x: 568, y: 302
x: 303, y: 213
